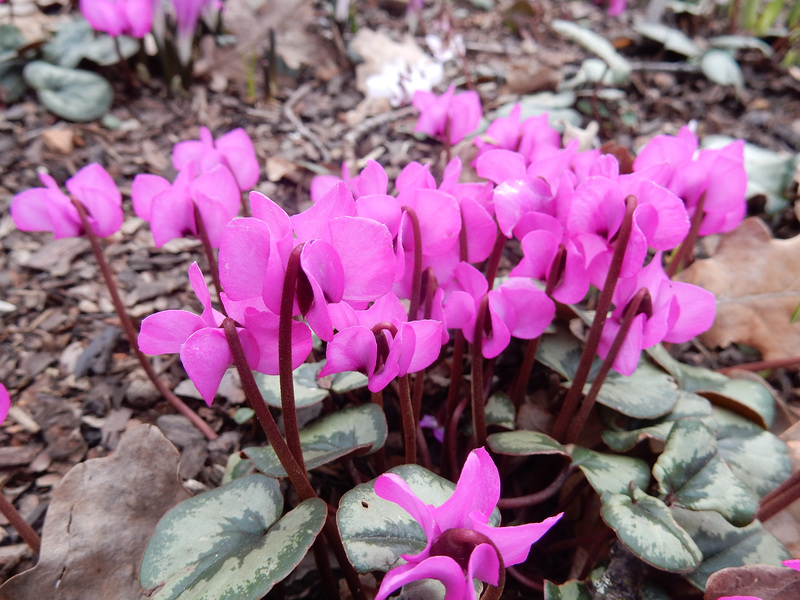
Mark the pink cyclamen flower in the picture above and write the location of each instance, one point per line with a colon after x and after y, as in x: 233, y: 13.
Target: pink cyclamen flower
x: 450, y: 116
x: 119, y: 17
x: 5, y: 402
x: 187, y: 12
x: 461, y: 545
x: 234, y: 150
x: 169, y: 207
x: 49, y: 209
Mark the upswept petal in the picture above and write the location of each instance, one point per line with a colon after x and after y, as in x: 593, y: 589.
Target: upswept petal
x: 514, y: 543
x: 367, y: 257
x: 244, y: 252
x: 166, y: 331
x: 533, y: 310
x: 144, y: 188
x: 323, y: 272
x: 172, y: 216
x: 313, y: 222
x: 96, y: 190
x: 372, y: 180
x: 240, y: 156
x: 484, y: 565
x: 696, y: 311
x: 381, y: 208
x: 427, y: 344
x: 500, y: 165
x: 264, y: 326
x: 31, y: 210
x: 392, y: 488
x: 477, y: 490
x: 480, y: 229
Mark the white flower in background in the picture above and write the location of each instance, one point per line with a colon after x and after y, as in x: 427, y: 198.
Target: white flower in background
x: 398, y: 80
x: 454, y: 49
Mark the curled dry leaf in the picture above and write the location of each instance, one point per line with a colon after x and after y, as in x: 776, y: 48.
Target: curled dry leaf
x: 101, y: 517
x: 756, y: 280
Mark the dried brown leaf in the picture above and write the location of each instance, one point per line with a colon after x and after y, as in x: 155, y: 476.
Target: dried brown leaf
x: 756, y: 280
x: 101, y: 517
x: 767, y: 582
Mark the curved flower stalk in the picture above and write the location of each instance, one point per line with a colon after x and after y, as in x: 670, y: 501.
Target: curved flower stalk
x: 461, y: 545
x: 119, y: 17
x: 49, y: 209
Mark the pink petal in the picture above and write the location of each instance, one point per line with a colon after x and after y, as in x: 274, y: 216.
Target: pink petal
x: 368, y: 265
x: 352, y: 349
x: 515, y: 543
x: 428, y: 343
x: 263, y: 325
x: 189, y: 151
x: 166, y: 331
x: 533, y: 310
x: 312, y: 223
x: 240, y: 156
x: 478, y: 489
x: 96, y: 190
x: 500, y: 165
x: 172, y: 216
x: 697, y: 309
x: 244, y: 252
x: 443, y: 568
x: 484, y: 565
x: 394, y: 489
x: 145, y: 187
x: 323, y: 272
x: 5, y: 402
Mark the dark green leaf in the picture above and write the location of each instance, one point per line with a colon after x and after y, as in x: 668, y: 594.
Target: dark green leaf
x: 647, y: 394
x: 500, y: 411
x: 569, y: 590
x: 329, y: 438
x: 644, y: 524
x: 691, y: 473
x: 226, y: 544
x: 524, y: 443
x: 69, y: 93
x: 306, y: 388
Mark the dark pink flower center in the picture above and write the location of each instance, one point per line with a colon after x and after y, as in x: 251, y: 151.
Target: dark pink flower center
x: 458, y: 544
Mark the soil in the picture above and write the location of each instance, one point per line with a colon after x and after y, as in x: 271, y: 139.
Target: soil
x: 73, y: 381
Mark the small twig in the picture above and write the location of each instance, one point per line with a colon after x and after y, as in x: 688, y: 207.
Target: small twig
x: 300, y: 126
x: 25, y: 531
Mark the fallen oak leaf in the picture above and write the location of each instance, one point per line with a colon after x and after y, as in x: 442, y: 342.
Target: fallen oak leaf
x: 756, y: 280
x: 100, y: 519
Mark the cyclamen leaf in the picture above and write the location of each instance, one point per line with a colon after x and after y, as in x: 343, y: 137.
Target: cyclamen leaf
x: 691, y: 472
x: 329, y: 438
x: 569, y: 590
x: 226, y: 544
x: 646, y: 527
x: 72, y: 94
x: 306, y: 389
x: 610, y: 472
x: 524, y: 443
x: 724, y: 545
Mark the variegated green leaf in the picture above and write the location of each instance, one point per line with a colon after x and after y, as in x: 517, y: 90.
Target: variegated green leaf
x: 746, y: 397
x: 724, y: 545
x: 610, y: 472
x: 569, y: 590
x: 348, y: 381
x: 500, y: 411
x: 649, y: 393
x: 561, y: 352
x: 329, y: 438
x: 646, y: 526
x: 691, y: 472
x: 236, y: 467
x: 376, y: 532
x: 226, y: 544
x: 524, y: 443
x: 756, y: 457
x: 688, y: 405
x: 306, y: 389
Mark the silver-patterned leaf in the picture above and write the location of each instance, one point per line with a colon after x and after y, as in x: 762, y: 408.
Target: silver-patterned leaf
x: 226, y: 544
x: 376, y: 532
x: 569, y: 590
x: 524, y: 443
x: 692, y: 473
x: 611, y: 472
x: 724, y: 545
x: 72, y: 94
x: 306, y: 389
x: 649, y: 393
x: 646, y: 527
x: 500, y: 411
x: 329, y: 438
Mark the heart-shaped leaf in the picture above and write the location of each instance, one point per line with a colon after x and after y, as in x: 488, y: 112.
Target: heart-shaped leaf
x: 376, y: 532
x: 70, y: 93
x: 610, y: 472
x: 646, y: 527
x: 524, y: 443
x: 561, y: 352
x: 648, y: 393
x: 746, y: 397
x: 329, y: 438
x: 76, y: 40
x: 306, y: 389
x: 721, y: 68
x: 226, y: 543
x: 691, y: 472
x: 756, y: 457
x: 688, y: 405
x: 500, y: 411
x: 724, y: 545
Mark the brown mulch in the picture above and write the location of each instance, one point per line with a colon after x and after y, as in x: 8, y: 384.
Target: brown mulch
x: 74, y: 384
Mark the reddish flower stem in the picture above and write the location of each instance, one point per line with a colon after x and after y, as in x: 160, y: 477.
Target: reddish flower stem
x: 409, y: 422
x: 451, y: 439
x: 210, y: 257
x: 478, y: 394
x: 521, y: 381
x: 537, y: 497
x: 26, y: 532
x: 494, y: 258
x: 779, y: 498
x: 526, y: 581
x: 130, y: 331
x: 686, y: 249
x: 285, y: 356
x: 593, y: 340
x: 762, y: 365
x: 416, y: 282
x: 576, y: 426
